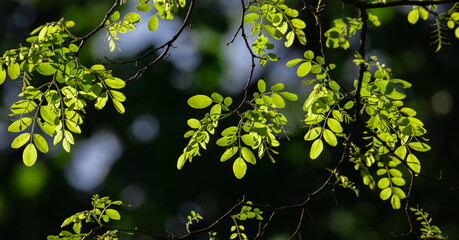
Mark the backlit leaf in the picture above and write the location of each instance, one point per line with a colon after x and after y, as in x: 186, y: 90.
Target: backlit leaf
x: 413, y: 16
x: 199, y: 101
x: 46, y: 69
x: 229, y: 152
x: 413, y: 163
x: 153, y: 23
x: 118, y: 106
x: 419, y: 146
x: 132, y: 17
x: 330, y: 137
x: 334, y: 125
x: 316, y: 148
x: 13, y: 70
x: 251, y: 17
x: 19, y: 125
x: 113, y: 214
x: 385, y: 193
x: 247, y: 154
x: 239, y: 168
x: 312, y: 134
x: 115, y: 83
x: 277, y: 100
x: 2, y: 74
x: 29, y: 156
x: 395, y: 202
x: 261, y: 86
x: 303, y: 69
x: 20, y: 140
x: 289, y: 38
x: 40, y: 143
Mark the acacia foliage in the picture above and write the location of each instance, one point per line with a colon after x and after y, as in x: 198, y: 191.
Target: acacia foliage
x: 392, y: 134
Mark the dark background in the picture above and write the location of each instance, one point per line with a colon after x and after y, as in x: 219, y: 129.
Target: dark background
x: 142, y: 171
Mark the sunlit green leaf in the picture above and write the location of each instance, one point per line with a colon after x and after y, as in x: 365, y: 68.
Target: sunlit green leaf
x: 115, y: 83
x: 118, y: 106
x: 251, y: 17
x: 330, y: 138
x: 261, y: 86
x: 29, y: 156
x: 20, y: 124
x: 193, y: 123
x: 303, y: 69
x: 413, y: 16
x: 312, y: 134
x: 395, y: 202
x: 334, y: 125
x: 277, y: 100
x: 113, y: 214
x: 20, y: 140
x: 46, y: 69
x: 132, y: 17
x: 199, y: 101
x: 277, y: 87
x: 229, y: 152
x: 385, y: 193
x: 40, y: 143
x: 316, y: 148
x: 419, y: 146
x: 413, y: 163
x: 239, y: 168
x: 153, y: 23
x: 2, y: 74
x: 289, y: 38
x: 247, y: 154
x: 13, y: 70
x: 294, y: 62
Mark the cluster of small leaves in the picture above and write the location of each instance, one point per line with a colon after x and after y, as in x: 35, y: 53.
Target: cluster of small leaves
x: 343, y: 29
x: 257, y: 128
x: 324, y: 115
x: 247, y: 212
x: 199, y: 135
x: 115, y: 25
x: 428, y: 231
x: 57, y: 105
x: 451, y: 17
x: 162, y: 9
x: 396, y: 132
x: 193, y: 217
x: 275, y: 19
x: 344, y: 182
x: 101, y: 213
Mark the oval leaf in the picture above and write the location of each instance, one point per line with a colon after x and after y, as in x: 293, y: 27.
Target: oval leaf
x: 239, y: 168
x: 29, y: 156
x: 40, y: 143
x: 316, y: 148
x: 199, y: 101
x: 20, y: 140
x: 153, y: 23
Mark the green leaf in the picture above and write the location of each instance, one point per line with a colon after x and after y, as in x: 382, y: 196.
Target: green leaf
x: 228, y: 101
x: 46, y: 69
x: 239, y: 168
x: 40, y: 143
x: 217, y: 97
x: 115, y: 83
x: 274, y: 33
x: 14, y: 70
x: 298, y: 23
x: 413, y: 163
x: 294, y: 62
x: 20, y: 140
x: 289, y: 96
x: 330, y: 138
x: 303, y: 69
x: 153, y: 23
x: 261, y: 86
x: 115, y: 16
x: 334, y: 125
x: 383, y: 183
x: 181, y: 161
x: 113, y: 214
x: 20, y: 124
x: 117, y: 95
x: 132, y: 17
x: 193, y: 123
x: 312, y: 134
x: 229, y: 152
x: 200, y: 101
x: 251, y: 17
x: 230, y: 131
x: 118, y: 106
x: 247, y: 154
x: 278, y: 101
x: 395, y: 202
x: 413, y: 16
x: 2, y: 74
x: 143, y: 7
x: 48, y: 115
x: 385, y: 193
x: 289, y: 38
x: 277, y: 87
x: 316, y: 148
x: 419, y: 146
x: 101, y: 101
x: 248, y: 140
x: 29, y: 156
x: 23, y: 106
